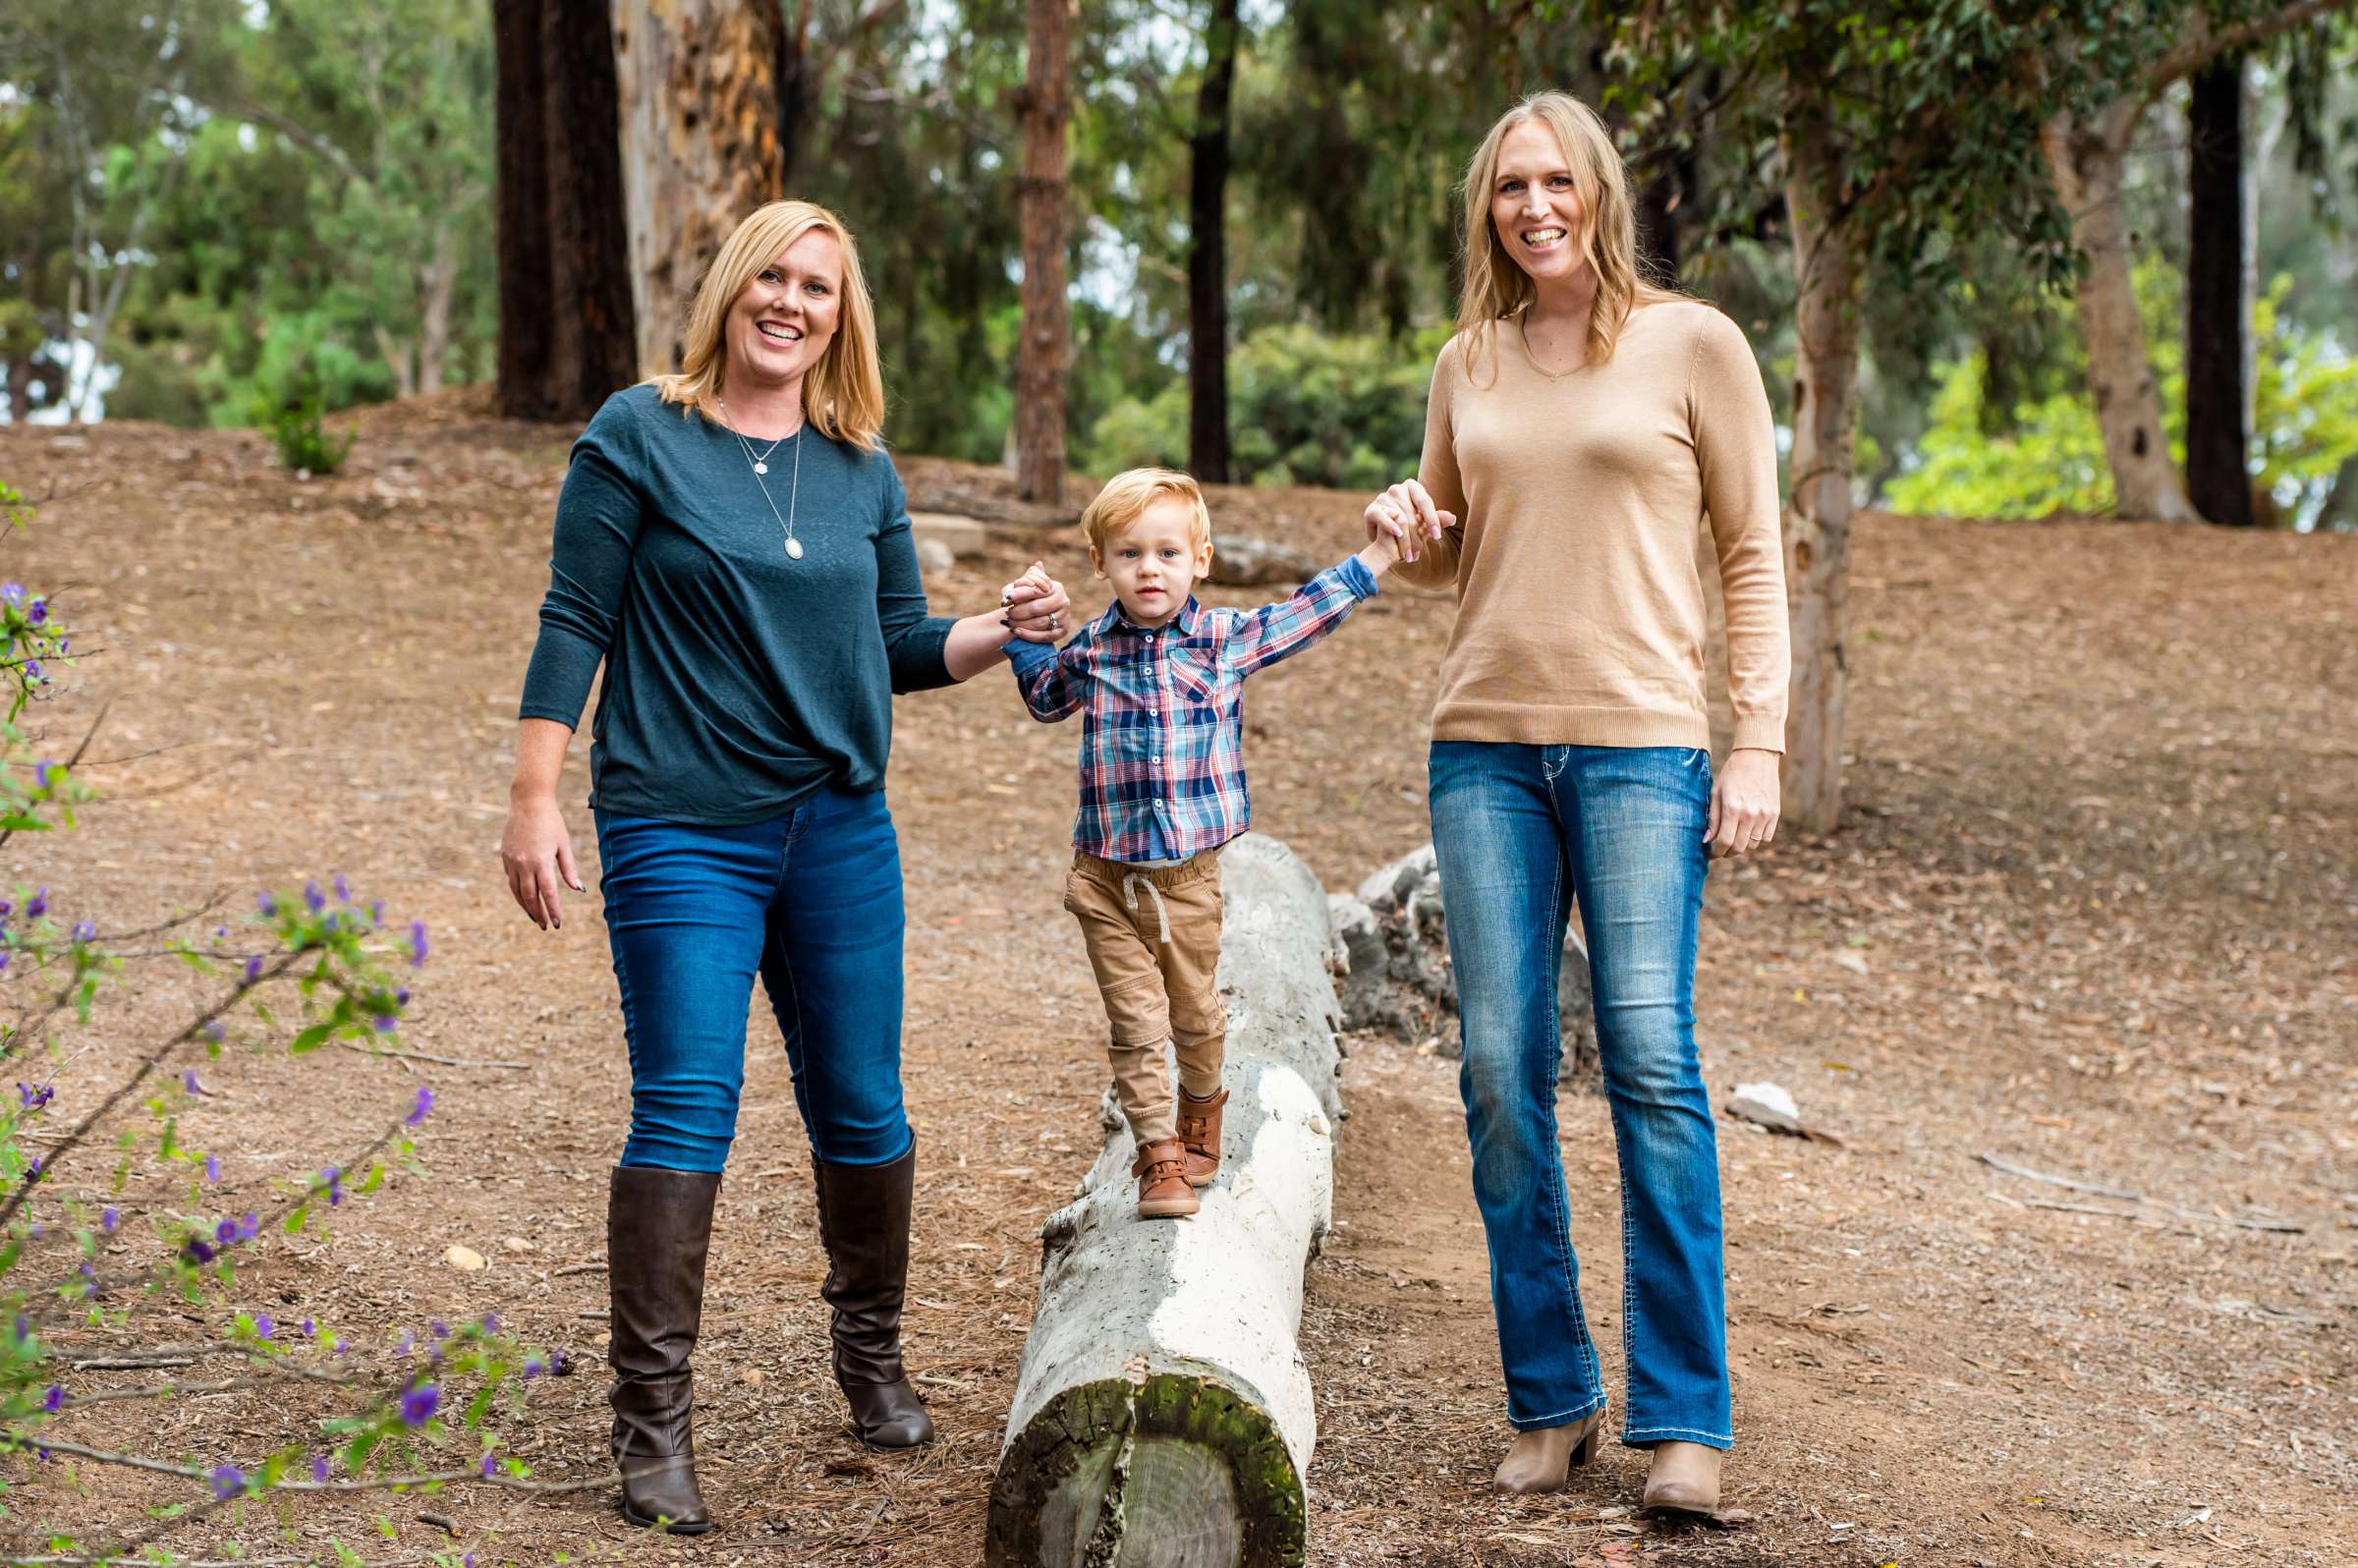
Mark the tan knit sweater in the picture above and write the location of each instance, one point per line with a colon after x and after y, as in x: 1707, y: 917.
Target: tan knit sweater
x: 1581, y: 614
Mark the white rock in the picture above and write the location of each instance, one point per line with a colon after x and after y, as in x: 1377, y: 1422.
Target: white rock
x: 962, y: 536
x: 933, y: 558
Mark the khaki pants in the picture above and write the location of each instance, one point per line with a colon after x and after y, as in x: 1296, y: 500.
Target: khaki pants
x: 1153, y: 939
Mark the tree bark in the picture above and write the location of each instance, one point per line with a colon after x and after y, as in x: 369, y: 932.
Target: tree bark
x: 1162, y: 1412
x: 699, y: 88
x: 1817, y: 522
x: 2217, y: 442
x: 2087, y: 160
x: 565, y: 316
x: 1044, y: 210
x: 1207, y: 254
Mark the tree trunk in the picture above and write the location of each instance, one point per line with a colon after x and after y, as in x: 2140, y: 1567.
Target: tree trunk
x: 698, y: 84
x: 1817, y: 523
x: 1207, y: 256
x: 441, y: 287
x: 1043, y: 206
x: 2085, y: 161
x: 2218, y: 483
x: 565, y: 318
x: 1162, y: 1412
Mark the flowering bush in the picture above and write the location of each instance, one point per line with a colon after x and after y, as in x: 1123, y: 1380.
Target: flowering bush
x: 85, y: 1248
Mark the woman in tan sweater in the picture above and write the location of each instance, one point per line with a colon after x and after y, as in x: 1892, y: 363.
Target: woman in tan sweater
x: 1582, y: 427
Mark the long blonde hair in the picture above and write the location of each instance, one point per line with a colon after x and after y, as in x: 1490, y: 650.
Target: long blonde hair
x: 1495, y: 287
x: 843, y: 394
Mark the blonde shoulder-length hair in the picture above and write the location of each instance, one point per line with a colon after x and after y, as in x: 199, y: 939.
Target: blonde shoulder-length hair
x: 843, y: 395
x: 1495, y: 287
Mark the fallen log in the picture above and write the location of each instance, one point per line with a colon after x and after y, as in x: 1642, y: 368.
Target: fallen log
x: 1162, y: 1412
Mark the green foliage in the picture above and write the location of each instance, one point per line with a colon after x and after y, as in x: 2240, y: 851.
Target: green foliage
x: 295, y: 418
x: 2049, y: 455
x: 1307, y: 408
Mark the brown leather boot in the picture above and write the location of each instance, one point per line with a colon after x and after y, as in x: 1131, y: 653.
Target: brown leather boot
x: 1683, y: 1479
x: 1162, y: 1188
x: 659, y: 1225
x: 1199, y: 1132
x: 863, y: 1221
x: 1541, y: 1459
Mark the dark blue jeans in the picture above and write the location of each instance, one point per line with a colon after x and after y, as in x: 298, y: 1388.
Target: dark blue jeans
x: 811, y: 900
x: 1520, y: 831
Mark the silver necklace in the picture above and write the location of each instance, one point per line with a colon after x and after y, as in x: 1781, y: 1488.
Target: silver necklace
x: 761, y: 467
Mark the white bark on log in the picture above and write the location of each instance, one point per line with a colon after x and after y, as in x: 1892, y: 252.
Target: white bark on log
x: 1162, y: 1412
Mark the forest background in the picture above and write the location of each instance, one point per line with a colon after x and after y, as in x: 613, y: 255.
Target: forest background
x: 211, y: 210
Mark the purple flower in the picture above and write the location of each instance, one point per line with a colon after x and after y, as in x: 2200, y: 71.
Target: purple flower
x: 418, y: 1405
x: 188, y: 1081
x: 267, y: 904
x: 31, y: 1098
x: 401, y: 996
x: 490, y: 1323
x: 250, y: 1227
x: 490, y: 1466
x: 3, y: 961
x: 40, y: 776
x: 376, y: 912
x: 39, y: 905
x: 38, y: 611
x: 32, y: 669
x: 441, y: 1330
x: 556, y: 1364
x: 13, y: 592
x: 212, y: 1167
x: 228, y: 1480
x: 54, y: 1400
x: 418, y: 943
x: 63, y: 643
x: 425, y: 1103
x: 221, y: 931
x: 333, y: 1178
x: 385, y: 1023
x: 532, y: 1368
x: 309, y: 1329
x: 6, y: 908
x: 343, y: 889
x: 85, y: 930
x: 110, y: 1218
x: 253, y: 968
x: 319, y: 1469
x: 262, y: 1326
x: 313, y: 898
x: 213, y: 1031
x: 408, y: 1345
x: 226, y: 1233
x: 197, y: 1250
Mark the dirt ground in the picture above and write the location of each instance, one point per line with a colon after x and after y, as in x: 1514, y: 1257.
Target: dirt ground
x: 2093, y: 909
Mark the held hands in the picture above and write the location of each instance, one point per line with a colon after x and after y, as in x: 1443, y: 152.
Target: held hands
x: 1744, y: 804
x: 538, y: 853
x: 1401, y: 520
x: 1036, y: 606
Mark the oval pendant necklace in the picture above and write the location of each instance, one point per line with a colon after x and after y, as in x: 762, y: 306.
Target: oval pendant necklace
x: 761, y: 467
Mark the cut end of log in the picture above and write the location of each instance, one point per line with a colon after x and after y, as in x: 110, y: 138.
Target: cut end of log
x: 1200, y: 1474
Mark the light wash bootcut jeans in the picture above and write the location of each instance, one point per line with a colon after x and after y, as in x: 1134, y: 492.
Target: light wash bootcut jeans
x: 1520, y: 831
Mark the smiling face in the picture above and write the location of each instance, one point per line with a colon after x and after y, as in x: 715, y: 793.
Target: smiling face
x: 1154, y: 563
x: 1535, y: 204
x: 780, y: 325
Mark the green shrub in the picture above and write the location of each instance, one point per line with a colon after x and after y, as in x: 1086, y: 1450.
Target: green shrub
x: 1303, y: 409
x: 296, y: 419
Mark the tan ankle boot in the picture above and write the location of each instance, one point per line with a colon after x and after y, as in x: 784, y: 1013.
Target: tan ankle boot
x: 1162, y: 1172
x: 1200, y: 1131
x: 1684, y: 1479
x: 1541, y: 1459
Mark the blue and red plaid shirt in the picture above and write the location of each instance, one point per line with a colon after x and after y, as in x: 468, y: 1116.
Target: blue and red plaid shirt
x: 1162, y: 762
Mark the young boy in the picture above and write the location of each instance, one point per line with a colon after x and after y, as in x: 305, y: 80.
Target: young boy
x: 1160, y: 682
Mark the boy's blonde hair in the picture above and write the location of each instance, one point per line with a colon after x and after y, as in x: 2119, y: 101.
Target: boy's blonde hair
x: 1126, y: 497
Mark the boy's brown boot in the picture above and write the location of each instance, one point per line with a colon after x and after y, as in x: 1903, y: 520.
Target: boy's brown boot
x: 1199, y: 1132
x: 1162, y: 1172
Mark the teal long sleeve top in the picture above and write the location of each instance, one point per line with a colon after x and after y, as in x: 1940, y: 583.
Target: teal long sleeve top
x: 739, y: 680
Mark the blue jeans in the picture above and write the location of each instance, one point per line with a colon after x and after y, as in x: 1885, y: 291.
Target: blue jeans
x: 1520, y: 831
x: 813, y: 901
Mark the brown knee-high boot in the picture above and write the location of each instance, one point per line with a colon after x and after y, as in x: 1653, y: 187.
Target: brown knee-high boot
x: 659, y: 1225
x: 863, y: 1221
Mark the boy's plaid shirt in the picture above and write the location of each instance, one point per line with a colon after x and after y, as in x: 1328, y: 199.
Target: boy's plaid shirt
x: 1162, y: 764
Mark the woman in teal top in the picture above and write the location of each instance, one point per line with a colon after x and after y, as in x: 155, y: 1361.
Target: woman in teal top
x: 733, y: 544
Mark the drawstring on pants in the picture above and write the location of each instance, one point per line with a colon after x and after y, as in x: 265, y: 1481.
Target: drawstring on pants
x: 1131, y: 881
